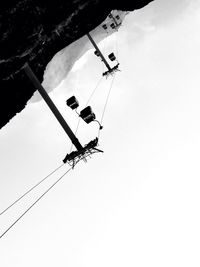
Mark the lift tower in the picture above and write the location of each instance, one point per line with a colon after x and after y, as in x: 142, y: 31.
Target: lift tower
x: 110, y: 70
x: 52, y: 106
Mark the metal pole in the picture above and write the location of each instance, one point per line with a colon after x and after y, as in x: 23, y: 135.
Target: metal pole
x: 101, y: 55
x: 52, y: 106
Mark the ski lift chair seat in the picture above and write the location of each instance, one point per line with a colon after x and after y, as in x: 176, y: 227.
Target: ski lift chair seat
x: 72, y: 102
x: 112, y: 57
x: 87, y: 114
x: 112, y: 26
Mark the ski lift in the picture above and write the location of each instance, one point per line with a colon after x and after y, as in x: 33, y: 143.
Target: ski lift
x: 72, y: 102
x: 112, y: 57
x: 96, y: 53
x: 104, y: 26
x: 82, y: 151
x: 87, y: 114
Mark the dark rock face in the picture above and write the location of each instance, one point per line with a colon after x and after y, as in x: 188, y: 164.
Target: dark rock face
x: 34, y: 31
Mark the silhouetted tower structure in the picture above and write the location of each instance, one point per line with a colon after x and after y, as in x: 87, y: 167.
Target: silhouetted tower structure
x: 52, y: 106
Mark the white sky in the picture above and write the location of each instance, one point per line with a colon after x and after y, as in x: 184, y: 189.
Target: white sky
x: 138, y: 203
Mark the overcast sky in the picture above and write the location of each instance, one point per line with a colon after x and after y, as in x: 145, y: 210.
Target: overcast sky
x: 137, y: 204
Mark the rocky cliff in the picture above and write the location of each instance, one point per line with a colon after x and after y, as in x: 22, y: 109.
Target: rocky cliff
x: 34, y: 31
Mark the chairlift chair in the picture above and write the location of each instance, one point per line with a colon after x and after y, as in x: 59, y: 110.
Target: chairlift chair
x: 112, y: 57
x: 87, y: 114
x: 72, y: 102
x: 104, y: 26
x: 112, y: 25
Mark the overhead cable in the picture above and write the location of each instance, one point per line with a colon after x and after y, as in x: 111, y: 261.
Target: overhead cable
x: 28, y: 191
x: 34, y: 204
x: 106, y: 102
